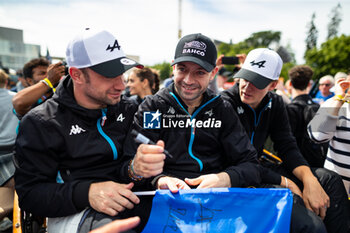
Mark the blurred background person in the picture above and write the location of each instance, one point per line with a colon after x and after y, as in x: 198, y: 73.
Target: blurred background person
x: 21, y: 82
x: 168, y: 81
x: 284, y: 90
x: 331, y: 124
x: 301, y: 111
x: 222, y: 77
x: 143, y: 82
x: 8, y: 124
x: 324, y: 86
x: 41, y: 78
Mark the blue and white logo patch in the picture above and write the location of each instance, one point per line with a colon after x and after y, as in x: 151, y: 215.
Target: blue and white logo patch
x: 151, y: 120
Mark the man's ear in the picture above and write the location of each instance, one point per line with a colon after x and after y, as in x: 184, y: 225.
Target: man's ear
x: 273, y: 85
x: 308, y: 85
x: 213, y: 73
x: 30, y: 81
x: 173, y: 65
x: 76, y: 74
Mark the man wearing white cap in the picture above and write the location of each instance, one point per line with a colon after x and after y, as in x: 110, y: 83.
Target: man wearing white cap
x: 72, y: 163
x: 263, y: 114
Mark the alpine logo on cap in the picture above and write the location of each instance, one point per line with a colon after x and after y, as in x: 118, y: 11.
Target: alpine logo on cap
x: 259, y: 64
x: 195, y: 47
x: 114, y: 46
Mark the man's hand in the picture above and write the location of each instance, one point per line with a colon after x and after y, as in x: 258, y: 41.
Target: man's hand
x: 171, y: 183
x: 315, y: 198
x: 219, y: 61
x: 118, y: 226
x: 55, y: 72
x: 220, y: 180
x: 241, y: 58
x: 149, y: 160
x: 341, y: 86
x: 112, y: 198
x: 292, y: 186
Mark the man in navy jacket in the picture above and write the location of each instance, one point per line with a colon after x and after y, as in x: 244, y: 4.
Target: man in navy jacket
x: 263, y: 114
x: 72, y: 163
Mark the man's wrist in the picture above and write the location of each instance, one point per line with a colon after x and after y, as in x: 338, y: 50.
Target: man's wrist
x: 131, y: 172
x: 48, y: 83
x: 155, y: 180
x: 339, y: 98
x: 44, y: 82
x: 225, y: 178
x: 342, y: 98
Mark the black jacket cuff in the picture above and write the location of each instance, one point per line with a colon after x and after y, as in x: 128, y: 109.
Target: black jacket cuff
x: 81, y: 195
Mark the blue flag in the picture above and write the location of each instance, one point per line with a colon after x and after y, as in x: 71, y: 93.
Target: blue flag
x: 221, y: 210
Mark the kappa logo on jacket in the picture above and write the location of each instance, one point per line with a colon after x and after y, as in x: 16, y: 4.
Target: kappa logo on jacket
x: 240, y: 110
x: 76, y: 130
x: 171, y: 110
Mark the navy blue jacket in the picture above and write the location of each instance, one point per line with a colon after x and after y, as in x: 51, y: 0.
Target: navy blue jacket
x: 269, y: 119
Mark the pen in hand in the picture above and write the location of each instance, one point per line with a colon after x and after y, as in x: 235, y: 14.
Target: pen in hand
x: 143, y: 139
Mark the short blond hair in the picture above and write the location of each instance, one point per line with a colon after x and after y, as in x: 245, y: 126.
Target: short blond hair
x: 3, y: 78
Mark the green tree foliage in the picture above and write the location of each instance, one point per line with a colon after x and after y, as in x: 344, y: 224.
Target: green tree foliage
x: 164, y: 70
x: 333, y: 25
x: 312, y: 34
x: 285, y: 68
x: 263, y: 39
x: 333, y: 56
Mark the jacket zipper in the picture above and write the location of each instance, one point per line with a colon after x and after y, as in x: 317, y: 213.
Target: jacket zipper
x: 256, y: 121
x: 100, y: 123
x: 193, y: 128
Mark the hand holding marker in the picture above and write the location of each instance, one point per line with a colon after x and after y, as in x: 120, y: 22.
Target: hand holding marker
x: 143, y: 139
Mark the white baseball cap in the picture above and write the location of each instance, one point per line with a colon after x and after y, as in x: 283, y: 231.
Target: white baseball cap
x: 261, y: 67
x: 99, y: 51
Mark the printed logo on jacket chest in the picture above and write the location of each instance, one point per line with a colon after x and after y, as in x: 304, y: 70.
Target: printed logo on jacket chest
x: 120, y: 117
x: 76, y: 129
x: 157, y: 120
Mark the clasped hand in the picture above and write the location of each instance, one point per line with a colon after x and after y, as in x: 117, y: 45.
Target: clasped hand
x: 219, y: 180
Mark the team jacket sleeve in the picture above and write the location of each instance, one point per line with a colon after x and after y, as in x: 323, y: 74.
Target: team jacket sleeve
x: 283, y: 139
x: 36, y: 160
x: 323, y: 126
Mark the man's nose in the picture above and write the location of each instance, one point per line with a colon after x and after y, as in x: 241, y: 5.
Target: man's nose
x: 188, y: 79
x: 119, y: 83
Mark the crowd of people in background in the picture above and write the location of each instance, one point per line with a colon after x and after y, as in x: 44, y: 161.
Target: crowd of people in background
x: 309, y: 133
